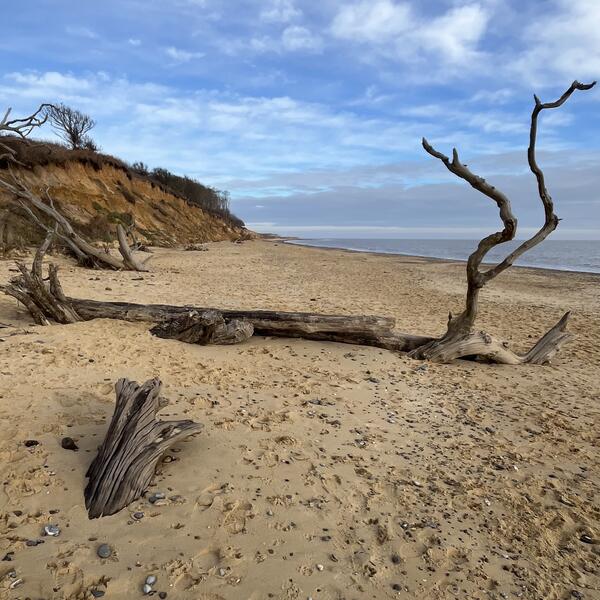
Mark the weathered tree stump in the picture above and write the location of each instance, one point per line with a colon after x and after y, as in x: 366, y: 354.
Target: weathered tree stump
x: 134, y: 442
x: 204, y: 327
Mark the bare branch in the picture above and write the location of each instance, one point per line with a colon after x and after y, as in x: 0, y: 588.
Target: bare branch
x: 72, y: 125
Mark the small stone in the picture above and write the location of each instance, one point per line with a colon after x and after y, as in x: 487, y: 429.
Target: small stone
x: 138, y: 515
x: 32, y: 543
x: 104, y: 551
x: 16, y: 584
x: 97, y: 593
x: 396, y: 587
x: 576, y: 594
x: 52, y: 530
x: 8, y: 556
x: 222, y: 572
x: 162, y: 595
x: 320, y: 567
x: 151, y: 579
x: 69, y: 444
x: 30, y: 443
x: 587, y: 539
x: 168, y: 459
x: 146, y: 588
x: 396, y: 559
x: 156, y: 496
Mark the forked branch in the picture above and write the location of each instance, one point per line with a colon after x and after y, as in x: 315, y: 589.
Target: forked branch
x: 462, y: 325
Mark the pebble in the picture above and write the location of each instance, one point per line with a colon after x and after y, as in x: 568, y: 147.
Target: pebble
x: 138, y: 515
x: 156, y: 496
x: 33, y: 542
x: 104, y: 551
x: 146, y: 588
x: 30, y: 443
x: 586, y: 539
x: 576, y: 594
x: 162, y: 595
x: 151, y: 579
x: 8, y: 556
x: 97, y: 593
x: 222, y: 572
x: 69, y: 444
x: 52, y: 530
x: 320, y: 567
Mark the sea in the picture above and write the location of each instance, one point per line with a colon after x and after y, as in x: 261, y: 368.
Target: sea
x: 563, y: 255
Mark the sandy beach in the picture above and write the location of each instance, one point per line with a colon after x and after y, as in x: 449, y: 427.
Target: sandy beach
x: 324, y: 471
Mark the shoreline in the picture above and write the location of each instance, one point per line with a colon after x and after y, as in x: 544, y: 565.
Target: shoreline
x: 291, y: 242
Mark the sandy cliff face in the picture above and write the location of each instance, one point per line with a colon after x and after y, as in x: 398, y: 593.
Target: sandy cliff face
x: 95, y: 199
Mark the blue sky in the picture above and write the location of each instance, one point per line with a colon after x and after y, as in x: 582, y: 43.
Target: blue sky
x: 311, y: 113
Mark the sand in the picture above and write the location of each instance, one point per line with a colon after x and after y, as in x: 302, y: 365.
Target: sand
x: 325, y: 471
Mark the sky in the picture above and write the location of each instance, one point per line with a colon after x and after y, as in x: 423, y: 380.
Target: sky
x: 311, y: 114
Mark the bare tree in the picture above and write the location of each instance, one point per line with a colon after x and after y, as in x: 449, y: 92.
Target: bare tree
x: 459, y: 339
x: 71, y: 125
x: 20, y: 127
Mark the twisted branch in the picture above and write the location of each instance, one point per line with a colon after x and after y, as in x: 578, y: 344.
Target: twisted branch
x: 476, y: 278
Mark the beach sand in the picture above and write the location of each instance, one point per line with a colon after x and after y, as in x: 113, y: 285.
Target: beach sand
x: 325, y: 471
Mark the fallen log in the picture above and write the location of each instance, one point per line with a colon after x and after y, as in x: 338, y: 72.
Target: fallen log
x: 349, y: 329
x: 46, y: 301
x: 134, y: 442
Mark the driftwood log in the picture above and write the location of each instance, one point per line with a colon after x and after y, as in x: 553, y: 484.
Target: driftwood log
x: 134, y: 442
x: 47, y: 302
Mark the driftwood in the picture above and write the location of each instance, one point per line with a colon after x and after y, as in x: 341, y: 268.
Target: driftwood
x: 459, y: 339
x: 208, y: 327
x: 134, y: 442
x: 86, y: 253
x: 47, y: 302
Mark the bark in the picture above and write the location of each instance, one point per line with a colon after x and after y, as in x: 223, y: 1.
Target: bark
x: 134, y: 442
x: 208, y: 327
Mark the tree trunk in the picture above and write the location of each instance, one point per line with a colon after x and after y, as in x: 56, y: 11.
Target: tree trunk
x: 134, y: 442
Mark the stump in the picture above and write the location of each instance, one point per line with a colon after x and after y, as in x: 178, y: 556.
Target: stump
x: 134, y: 442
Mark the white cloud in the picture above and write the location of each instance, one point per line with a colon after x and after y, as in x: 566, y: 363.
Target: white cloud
x: 372, y: 21
x: 182, y: 56
x: 394, y: 30
x: 563, y: 41
x: 280, y: 11
x: 296, y: 38
x: 134, y: 42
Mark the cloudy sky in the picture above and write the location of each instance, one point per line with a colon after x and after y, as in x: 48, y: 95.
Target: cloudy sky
x: 311, y: 113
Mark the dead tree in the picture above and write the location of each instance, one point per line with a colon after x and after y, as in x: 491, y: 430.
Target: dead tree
x: 21, y: 128
x: 459, y: 339
x: 134, y: 443
x: 86, y: 253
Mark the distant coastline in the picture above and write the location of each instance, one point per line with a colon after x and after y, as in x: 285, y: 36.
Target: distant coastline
x: 565, y: 250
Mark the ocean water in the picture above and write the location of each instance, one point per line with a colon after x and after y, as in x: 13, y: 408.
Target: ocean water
x: 564, y: 255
